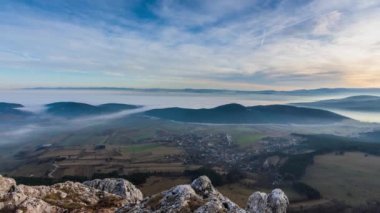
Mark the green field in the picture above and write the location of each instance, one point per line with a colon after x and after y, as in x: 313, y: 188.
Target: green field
x: 141, y: 148
x: 245, y: 138
x: 352, y: 177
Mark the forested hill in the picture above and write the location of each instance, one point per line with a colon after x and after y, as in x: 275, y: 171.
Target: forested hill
x: 238, y: 114
x: 74, y: 109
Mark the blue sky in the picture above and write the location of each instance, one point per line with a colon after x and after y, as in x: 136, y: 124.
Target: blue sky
x: 239, y: 44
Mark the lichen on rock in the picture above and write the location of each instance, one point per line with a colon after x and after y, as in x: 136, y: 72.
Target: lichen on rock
x: 257, y: 202
x: 277, y: 201
x: 117, y: 186
x: 119, y: 195
x: 61, y: 197
x: 274, y: 202
x: 200, y: 197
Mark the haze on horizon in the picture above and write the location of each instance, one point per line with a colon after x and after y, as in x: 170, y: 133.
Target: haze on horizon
x: 244, y: 44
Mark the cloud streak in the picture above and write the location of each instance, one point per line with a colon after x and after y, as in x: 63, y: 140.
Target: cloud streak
x: 191, y: 44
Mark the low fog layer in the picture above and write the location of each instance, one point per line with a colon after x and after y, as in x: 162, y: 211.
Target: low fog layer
x: 45, y: 123
x: 34, y: 101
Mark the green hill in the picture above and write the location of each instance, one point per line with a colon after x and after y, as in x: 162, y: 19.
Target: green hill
x: 238, y: 114
x: 11, y: 111
x: 74, y: 109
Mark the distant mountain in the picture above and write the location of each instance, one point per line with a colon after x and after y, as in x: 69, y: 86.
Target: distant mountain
x: 371, y: 137
x: 10, y: 112
x: 74, y: 109
x: 302, y: 92
x: 238, y: 114
x: 355, y: 103
x: 4, y: 105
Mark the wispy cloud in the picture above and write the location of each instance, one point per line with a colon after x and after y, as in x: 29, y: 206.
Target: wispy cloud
x: 192, y: 43
x: 326, y: 24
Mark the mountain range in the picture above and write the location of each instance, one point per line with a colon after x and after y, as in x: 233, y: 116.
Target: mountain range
x: 238, y: 114
x: 301, y: 92
x: 354, y: 103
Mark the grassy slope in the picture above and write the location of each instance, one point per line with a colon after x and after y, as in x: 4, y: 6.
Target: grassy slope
x: 352, y: 177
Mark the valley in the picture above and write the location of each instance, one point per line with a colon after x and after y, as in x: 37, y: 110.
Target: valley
x: 240, y: 158
x: 241, y: 149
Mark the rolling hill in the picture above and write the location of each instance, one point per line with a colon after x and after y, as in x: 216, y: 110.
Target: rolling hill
x: 11, y: 111
x: 74, y: 109
x: 238, y: 114
x: 354, y: 103
x: 301, y: 92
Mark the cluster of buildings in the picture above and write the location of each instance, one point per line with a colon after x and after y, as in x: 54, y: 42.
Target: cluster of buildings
x: 219, y: 150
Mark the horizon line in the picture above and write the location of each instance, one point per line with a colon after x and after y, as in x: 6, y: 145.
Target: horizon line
x: 193, y: 89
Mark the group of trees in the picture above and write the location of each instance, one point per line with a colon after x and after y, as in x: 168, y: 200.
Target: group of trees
x: 135, y: 178
x: 295, y: 167
x: 139, y: 178
x: 232, y: 176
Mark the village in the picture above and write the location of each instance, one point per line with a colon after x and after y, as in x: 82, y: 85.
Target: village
x: 220, y: 150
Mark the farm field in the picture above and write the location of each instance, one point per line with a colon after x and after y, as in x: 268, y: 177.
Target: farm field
x: 134, y: 144
x: 166, y: 151
x: 246, y: 138
x: 87, y: 159
x: 351, y: 177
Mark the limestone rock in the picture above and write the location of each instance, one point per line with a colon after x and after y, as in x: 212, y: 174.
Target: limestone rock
x: 75, y: 197
x: 257, y: 203
x: 6, y: 184
x: 180, y: 198
x: 274, y: 202
x: 277, y: 201
x: 204, y: 187
x: 36, y: 191
x: 198, y: 197
x: 118, y: 195
x: 214, y: 199
x: 117, y: 186
x: 35, y: 205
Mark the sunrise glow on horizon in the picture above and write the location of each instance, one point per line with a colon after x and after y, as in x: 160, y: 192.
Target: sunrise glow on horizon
x: 244, y: 44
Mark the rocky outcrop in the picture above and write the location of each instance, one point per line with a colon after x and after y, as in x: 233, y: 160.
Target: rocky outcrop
x: 201, y: 197
x: 63, y: 197
x: 274, y: 202
x: 119, y: 195
x: 257, y: 202
x: 35, y: 205
x: 117, y: 186
x: 6, y: 184
x: 277, y: 201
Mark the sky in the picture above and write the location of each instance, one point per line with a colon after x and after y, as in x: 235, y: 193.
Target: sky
x: 221, y: 44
